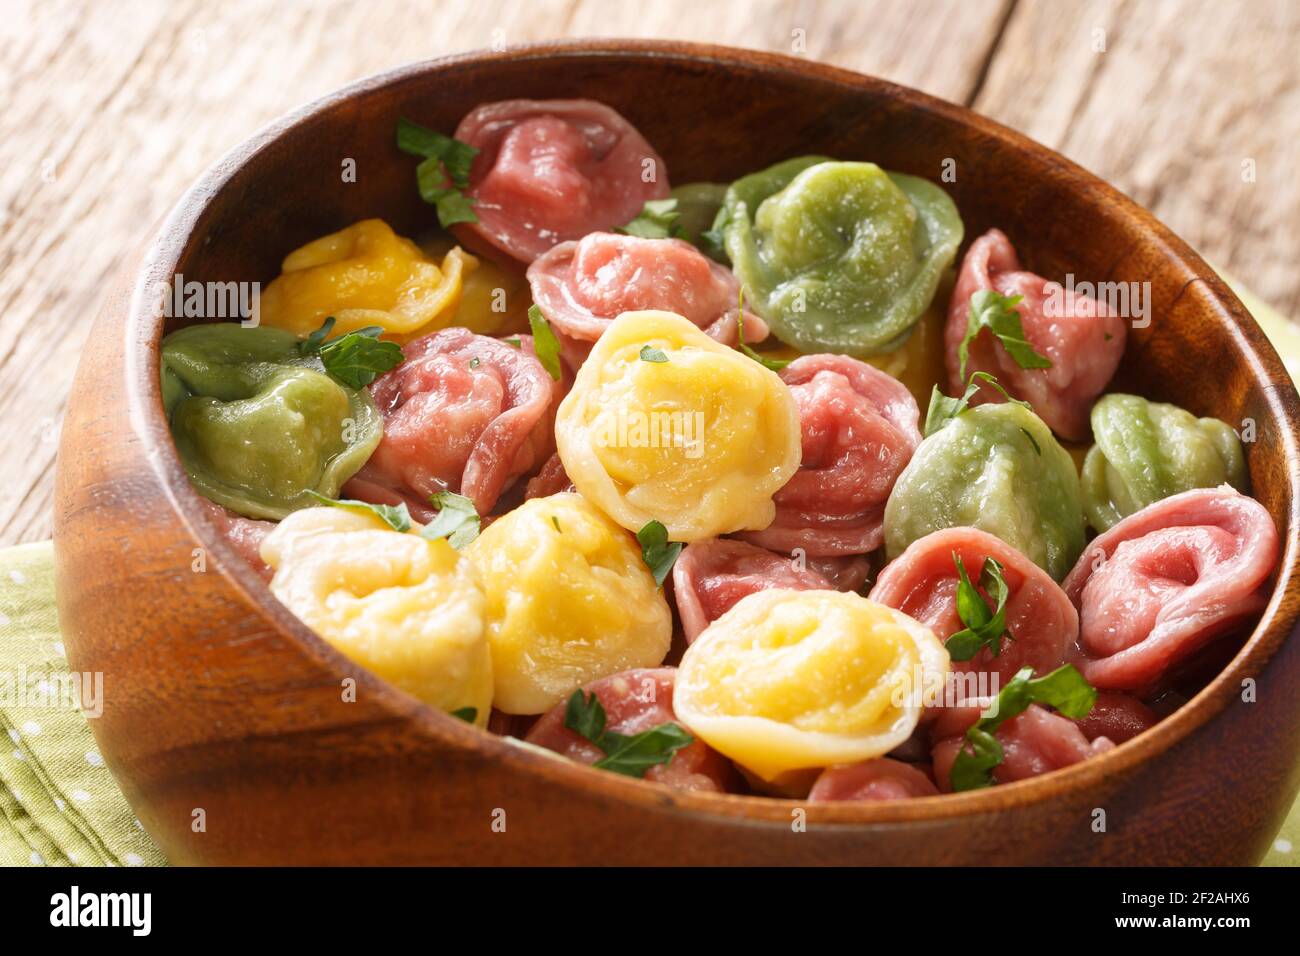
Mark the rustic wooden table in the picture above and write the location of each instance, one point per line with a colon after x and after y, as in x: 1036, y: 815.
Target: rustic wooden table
x: 109, y: 109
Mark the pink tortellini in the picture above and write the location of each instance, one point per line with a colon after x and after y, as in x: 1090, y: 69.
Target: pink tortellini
x: 548, y: 171
x: 245, y: 535
x: 581, y: 287
x: 636, y: 701
x: 1033, y: 743
x: 710, y: 576
x: 922, y: 583
x: 1166, y: 581
x: 859, y: 429
x: 1079, y: 335
x: 870, y: 781
x: 462, y: 413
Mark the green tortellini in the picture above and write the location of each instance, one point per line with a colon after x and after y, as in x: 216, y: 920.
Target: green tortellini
x: 258, y: 425
x: 997, y: 468
x: 838, y: 256
x: 1147, y: 451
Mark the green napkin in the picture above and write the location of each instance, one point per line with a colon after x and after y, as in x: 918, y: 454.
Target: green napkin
x: 60, y: 806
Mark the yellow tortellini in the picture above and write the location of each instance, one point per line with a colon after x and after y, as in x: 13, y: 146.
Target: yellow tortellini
x: 791, y: 680
x: 493, y: 301
x: 366, y: 275
x: 407, y: 608
x: 569, y: 600
x: 665, y: 424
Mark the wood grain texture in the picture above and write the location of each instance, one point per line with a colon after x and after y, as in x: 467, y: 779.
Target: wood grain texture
x: 112, y: 108
x: 218, y: 698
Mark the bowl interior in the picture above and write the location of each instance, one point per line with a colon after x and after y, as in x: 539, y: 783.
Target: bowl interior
x: 715, y: 114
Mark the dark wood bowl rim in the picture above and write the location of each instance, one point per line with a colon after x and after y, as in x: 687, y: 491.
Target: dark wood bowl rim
x: 144, y: 333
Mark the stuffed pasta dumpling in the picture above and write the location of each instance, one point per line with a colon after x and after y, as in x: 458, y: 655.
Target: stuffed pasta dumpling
x: 581, y: 287
x: 839, y: 256
x: 407, y: 608
x: 996, y: 468
x: 569, y: 600
x: 769, y: 684
x: 1077, y: 340
x: 552, y: 170
x: 258, y: 425
x: 463, y: 413
x: 665, y: 424
x: 366, y: 275
x: 859, y: 429
x: 1147, y: 451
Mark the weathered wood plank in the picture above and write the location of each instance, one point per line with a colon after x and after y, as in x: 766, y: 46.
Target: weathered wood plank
x: 1179, y: 103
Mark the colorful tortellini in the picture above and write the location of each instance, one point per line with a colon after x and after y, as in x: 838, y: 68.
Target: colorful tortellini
x: 710, y: 576
x: 839, y: 256
x: 405, y: 607
x: 859, y: 429
x: 789, y: 681
x: 877, y: 779
x: 258, y: 425
x: 365, y: 275
x: 665, y: 424
x: 244, y: 535
x: 1147, y: 451
x: 636, y: 701
x: 1164, y: 582
x: 636, y: 436
x: 1079, y: 335
x: 493, y: 300
x: 996, y: 468
x: 569, y: 600
x: 1032, y: 743
x: 552, y: 170
x: 581, y: 287
x: 1041, y: 623
x: 462, y: 413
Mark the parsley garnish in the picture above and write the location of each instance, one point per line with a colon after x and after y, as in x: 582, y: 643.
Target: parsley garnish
x: 545, y: 344
x: 313, y: 342
x: 467, y: 714
x: 984, y: 627
x: 771, y: 364
x: 997, y: 313
x: 457, y: 520
x: 395, y: 516
x: 711, y: 241
x: 355, y: 358
x: 651, y: 354
x: 943, y: 409
x: 443, y: 173
x: 629, y: 755
x: 657, y: 551
x: 1064, y: 688
x: 656, y: 220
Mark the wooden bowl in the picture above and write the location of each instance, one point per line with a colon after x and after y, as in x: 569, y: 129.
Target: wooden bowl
x: 225, y: 720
